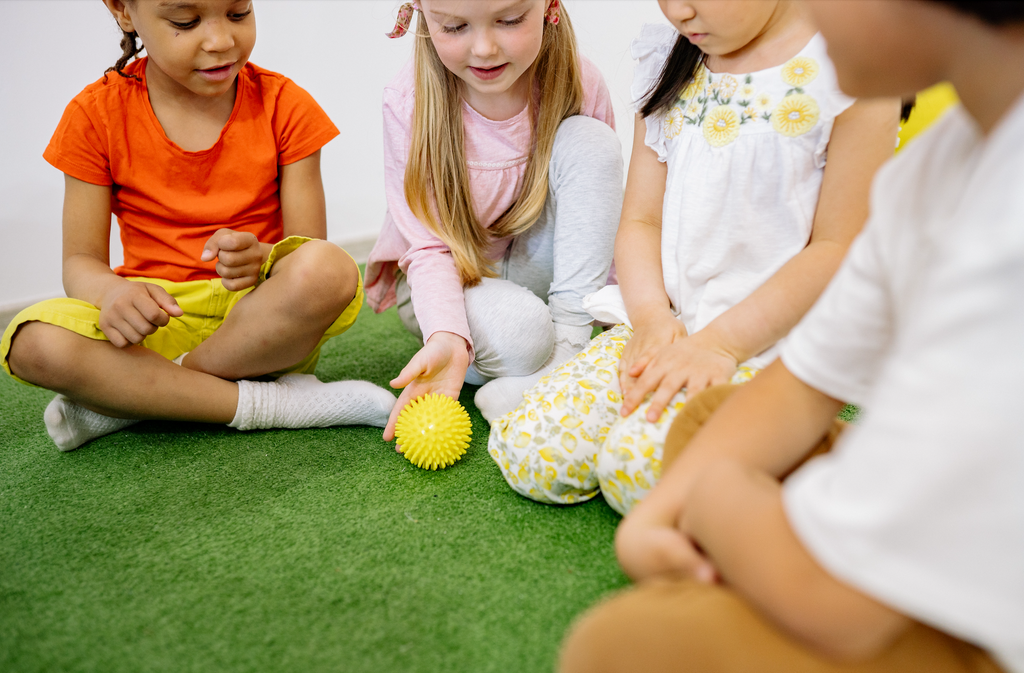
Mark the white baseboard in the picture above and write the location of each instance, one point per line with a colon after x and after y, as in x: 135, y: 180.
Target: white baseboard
x: 359, y: 249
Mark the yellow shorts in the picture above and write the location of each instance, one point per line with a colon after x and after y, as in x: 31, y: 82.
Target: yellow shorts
x: 206, y: 304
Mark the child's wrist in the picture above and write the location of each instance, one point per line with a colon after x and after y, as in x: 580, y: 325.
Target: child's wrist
x: 715, y: 339
x: 650, y: 315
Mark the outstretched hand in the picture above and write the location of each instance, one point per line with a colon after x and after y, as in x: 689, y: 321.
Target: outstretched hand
x: 132, y: 310
x: 439, y: 368
x: 239, y: 257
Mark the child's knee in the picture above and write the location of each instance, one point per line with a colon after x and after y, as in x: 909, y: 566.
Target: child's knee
x: 39, y: 351
x: 325, y: 277
x: 630, y: 460
x: 542, y: 463
x: 512, y: 330
x: 587, y: 144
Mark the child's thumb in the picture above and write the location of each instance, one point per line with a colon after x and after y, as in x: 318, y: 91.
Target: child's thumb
x: 210, y: 251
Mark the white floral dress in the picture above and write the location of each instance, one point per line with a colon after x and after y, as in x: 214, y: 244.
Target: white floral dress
x: 746, y: 155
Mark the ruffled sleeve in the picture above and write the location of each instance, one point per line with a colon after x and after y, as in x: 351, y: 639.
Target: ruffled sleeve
x: 650, y: 50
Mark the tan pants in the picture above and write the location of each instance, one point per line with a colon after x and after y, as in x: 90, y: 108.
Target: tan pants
x: 664, y: 627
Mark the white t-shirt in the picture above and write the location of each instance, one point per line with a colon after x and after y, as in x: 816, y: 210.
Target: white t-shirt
x: 921, y: 505
x: 746, y: 155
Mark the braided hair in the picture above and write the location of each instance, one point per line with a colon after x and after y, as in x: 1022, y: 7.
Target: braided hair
x: 130, y: 49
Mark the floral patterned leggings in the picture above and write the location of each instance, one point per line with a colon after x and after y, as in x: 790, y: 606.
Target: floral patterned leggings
x: 567, y: 439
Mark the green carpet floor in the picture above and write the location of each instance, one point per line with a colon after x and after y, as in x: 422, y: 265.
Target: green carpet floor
x: 184, y: 547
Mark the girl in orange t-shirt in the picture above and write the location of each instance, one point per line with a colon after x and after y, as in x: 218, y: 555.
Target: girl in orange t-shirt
x: 212, y: 167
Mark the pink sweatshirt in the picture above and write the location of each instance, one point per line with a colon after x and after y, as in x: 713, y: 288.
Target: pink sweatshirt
x: 496, y: 153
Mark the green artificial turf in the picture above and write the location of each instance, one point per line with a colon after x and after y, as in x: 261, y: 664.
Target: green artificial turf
x: 185, y: 547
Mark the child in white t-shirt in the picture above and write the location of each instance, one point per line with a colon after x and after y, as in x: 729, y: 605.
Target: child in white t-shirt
x: 903, y: 549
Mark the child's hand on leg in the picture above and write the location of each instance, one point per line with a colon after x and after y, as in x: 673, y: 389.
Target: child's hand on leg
x: 650, y: 335
x: 694, y: 363
x: 439, y: 368
x: 131, y: 311
x: 239, y: 256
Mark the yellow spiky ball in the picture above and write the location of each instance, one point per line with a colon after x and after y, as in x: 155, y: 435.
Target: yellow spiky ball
x: 433, y: 431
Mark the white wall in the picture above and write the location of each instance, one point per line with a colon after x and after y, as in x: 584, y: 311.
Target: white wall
x: 336, y: 49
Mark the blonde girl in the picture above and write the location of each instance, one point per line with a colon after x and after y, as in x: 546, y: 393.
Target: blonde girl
x: 212, y: 166
x: 504, y: 180
x: 731, y: 227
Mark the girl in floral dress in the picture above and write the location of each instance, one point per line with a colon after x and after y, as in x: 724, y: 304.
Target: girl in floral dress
x: 732, y: 226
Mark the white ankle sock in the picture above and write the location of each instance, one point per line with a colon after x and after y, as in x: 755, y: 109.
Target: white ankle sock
x: 181, y: 357
x: 302, y: 401
x: 70, y: 425
x: 500, y: 396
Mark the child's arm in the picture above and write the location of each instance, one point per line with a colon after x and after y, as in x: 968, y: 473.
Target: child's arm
x: 769, y: 424
x: 240, y: 255
x: 638, y: 260
x: 129, y: 311
x: 720, y: 496
x: 862, y: 139
x: 735, y: 514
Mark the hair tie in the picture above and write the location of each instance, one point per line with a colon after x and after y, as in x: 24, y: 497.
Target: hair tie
x: 551, y: 16
x: 404, y: 19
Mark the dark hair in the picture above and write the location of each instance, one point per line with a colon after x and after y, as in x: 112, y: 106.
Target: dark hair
x: 994, y: 12
x: 908, y: 107
x: 130, y: 48
x: 680, y: 67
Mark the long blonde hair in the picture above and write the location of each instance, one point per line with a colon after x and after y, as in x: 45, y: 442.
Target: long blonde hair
x: 436, y: 175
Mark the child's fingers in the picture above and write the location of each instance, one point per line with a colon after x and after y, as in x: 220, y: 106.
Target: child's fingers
x: 667, y: 389
x: 632, y: 397
x: 410, y: 372
x: 236, y: 241
x: 115, y: 337
x: 140, y: 323
x: 167, y: 304
x: 403, y: 399
x: 126, y: 332
x: 246, y: 258
x: 240, y: 283
x: 638, y: 367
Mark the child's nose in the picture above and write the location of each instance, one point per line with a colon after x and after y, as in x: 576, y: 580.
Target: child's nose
x: 484, y: 46
x: 219, y: 36
x: 679, y: 10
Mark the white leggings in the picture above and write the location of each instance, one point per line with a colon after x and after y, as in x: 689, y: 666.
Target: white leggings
x: 548, y: 269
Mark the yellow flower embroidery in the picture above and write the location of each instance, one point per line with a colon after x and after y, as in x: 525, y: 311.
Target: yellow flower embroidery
x: 763, y: 102
x: 747, y: 91
x: 696, y: 84
x: 795, y: 115
x: 727, y: 86
x: 674, y: 121
x: 692, y: 109
x: 721, y: 126
x: 750, y: 111
x: 799, y: 71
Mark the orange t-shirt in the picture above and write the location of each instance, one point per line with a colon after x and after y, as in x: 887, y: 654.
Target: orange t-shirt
x: 168, y: 202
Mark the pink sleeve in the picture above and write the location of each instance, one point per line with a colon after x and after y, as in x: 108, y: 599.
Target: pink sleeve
x: 597, y: 102
x: 427, y: 262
